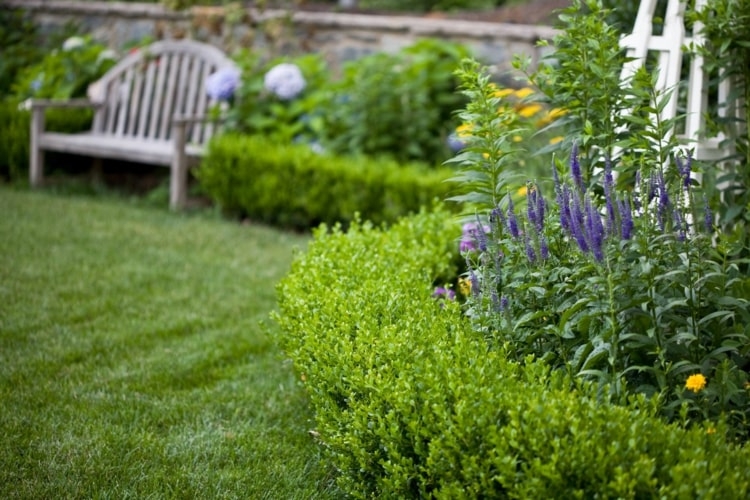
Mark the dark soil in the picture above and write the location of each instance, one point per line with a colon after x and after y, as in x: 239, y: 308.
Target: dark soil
x: 524, y: 12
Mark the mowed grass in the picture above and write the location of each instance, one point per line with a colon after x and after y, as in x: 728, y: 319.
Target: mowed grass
x: 132, y: 359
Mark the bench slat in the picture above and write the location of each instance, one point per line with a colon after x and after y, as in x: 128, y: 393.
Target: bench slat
x: 138, y: 101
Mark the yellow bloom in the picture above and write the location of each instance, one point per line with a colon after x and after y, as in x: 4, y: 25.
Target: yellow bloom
x: 555, y: 113
x: 464, y: 286
x: 556, y: 139
x: 522, y: 191
x: 502, y: 92
x: 517, y: 138
x: 524, y: 92
x: 695, y: 382
x: 711, y: 430
x: 464, y: 130
x: 529, y: 110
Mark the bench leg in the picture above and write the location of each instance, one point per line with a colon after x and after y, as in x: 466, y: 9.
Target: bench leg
x: 36, y: 155
x: 178, y: 180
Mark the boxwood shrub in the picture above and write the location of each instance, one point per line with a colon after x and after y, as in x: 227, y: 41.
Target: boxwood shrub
x: 411, y: 403
x: 14, y: 134
x: 291, y: 185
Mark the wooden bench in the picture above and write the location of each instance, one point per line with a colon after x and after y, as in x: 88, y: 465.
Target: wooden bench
x: 150, y: 108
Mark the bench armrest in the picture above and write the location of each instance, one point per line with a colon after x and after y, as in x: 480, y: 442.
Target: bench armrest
x: 60, y: 103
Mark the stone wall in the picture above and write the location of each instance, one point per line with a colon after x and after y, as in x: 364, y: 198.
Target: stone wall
x: 339, y: 36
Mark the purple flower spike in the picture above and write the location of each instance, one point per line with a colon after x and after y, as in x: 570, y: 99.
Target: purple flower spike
x: 504, y: 303
x: 595, y: 230
x: 530, y: 254
x: 708, y: 216
x: 685, y: 170
x: 577, y: 224
x: 626, y: 219
x: 679, y: 224
x: 541, y: 208
x: 575, y: 168
x: 531, y: 212
x: 609, y: 185
x: 564, y: 204
x: 543, y: 248
x: 512, y: 221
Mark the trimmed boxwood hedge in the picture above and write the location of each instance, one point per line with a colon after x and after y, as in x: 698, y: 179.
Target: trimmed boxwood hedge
x: 291, y: 185
x: 411, y: 403
x: 15, y: 132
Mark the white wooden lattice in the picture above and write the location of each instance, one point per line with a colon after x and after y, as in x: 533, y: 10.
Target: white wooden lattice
x: 670, y: 48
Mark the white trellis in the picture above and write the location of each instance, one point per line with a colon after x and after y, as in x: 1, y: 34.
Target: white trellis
x: 670, y: 48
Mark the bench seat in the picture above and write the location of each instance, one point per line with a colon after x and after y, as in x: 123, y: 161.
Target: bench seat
x: 155, y: 152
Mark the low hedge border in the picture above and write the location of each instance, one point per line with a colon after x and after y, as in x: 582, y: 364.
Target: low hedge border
x: 411, y: 403
x: 290, y: 185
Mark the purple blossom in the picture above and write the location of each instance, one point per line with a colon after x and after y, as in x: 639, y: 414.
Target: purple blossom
x: 708, y: 217
x: 530, y: 254
x: 504, y: 302
x: 609, y: 185
x: 444, y: 293
x: 575, y: 168
x: 685, y: 169
x: 595, y: 230
x: 577, y: 223
x: 541, y: 208
x: 564, y: 204
x: 512, y: 221
x: 222, y: 84
x: 679, y: 223
x: 285, y: 80
x: 455, y: 143
x: 472, y: 238
x: 543, y: 248
x: 664, y: 202
x: 626, y: 219
x: 531, y: 213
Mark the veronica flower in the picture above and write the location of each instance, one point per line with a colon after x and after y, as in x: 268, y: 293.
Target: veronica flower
x: 626, y: 219
x: 564, y: 204
x: 285, y: 80
x: 684, y: 169
x: 679, y: 223
x: 444, y: 293
x: 575, y: 168
x: 541, y: 208
x: 576, y: 223
x: 609, y: 185
x: 708, y: 217
x: 543, y: 248
x: 471, y: 236
x: 530, y: 254
x: 222, y: 84
x: 664, y: 202
x: 531, y: 212
x: 512, y: 221
x: 595, y: 230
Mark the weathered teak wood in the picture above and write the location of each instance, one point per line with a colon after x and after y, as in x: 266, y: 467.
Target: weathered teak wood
x: 149, y: 108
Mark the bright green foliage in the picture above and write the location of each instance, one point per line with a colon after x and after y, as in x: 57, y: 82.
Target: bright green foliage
x: 14, y: 134
x: 65, y: 72
x: 410, y: 403
x: 293, y: 186
x: 19, y: 40
x: 400, y: 104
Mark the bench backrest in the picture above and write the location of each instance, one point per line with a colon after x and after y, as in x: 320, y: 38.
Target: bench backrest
x: 143, y: 92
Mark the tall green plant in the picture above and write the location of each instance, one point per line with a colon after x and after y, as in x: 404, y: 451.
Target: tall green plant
x: 620, y: 285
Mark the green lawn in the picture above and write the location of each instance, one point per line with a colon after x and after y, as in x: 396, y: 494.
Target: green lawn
x: 132, y: 359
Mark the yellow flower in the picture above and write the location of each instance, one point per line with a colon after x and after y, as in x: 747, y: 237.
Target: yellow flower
x: 695, y: 382
x: 464, y: 286
x: 524, y: 92
x: 522, y: 191
x: 464, y: 130
x: 556, y: 139
x: 555, y: 113
x: 529, y: 110
x: 711, y: 430
x: 517, y: 138
x: 502, y: 92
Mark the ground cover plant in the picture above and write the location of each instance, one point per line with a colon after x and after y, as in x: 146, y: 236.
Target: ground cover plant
x: 132, y: 362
